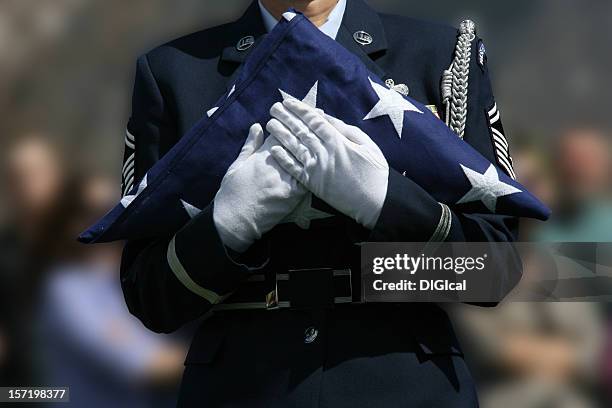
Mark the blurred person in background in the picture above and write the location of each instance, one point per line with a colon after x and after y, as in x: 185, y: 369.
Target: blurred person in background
x: 532, y: 165
x: 87, y: 339
x: 548, y: 354
x: 584, y: 204
x: 535, y: 354
x: 583, y: 208
x: 34, y: 180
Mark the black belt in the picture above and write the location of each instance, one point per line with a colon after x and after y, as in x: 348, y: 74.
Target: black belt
x: 295, y: 289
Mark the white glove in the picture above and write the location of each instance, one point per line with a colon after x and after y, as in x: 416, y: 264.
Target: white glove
x: 339, y: 163
x: 255, y: 194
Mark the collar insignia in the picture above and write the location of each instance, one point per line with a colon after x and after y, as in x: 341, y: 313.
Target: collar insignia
x: 363, y: 38
x: 245, y: 43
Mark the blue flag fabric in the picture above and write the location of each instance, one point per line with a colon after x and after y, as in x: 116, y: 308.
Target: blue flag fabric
x: 297, y: 60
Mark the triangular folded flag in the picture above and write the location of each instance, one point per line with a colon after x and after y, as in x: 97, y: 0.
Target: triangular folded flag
x: 296, y: 60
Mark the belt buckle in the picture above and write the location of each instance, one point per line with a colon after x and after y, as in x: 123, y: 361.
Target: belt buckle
x: 272, y: 299
x: 344, y: 276
x: 319, y: 287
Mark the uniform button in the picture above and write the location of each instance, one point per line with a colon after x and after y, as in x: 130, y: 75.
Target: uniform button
x: 310, y: 335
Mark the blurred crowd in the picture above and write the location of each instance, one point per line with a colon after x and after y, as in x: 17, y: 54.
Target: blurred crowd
x: 550, y: 354
x: 63, y: 320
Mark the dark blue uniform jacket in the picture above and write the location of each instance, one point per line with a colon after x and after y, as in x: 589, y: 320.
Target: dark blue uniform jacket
x: 363, y: 355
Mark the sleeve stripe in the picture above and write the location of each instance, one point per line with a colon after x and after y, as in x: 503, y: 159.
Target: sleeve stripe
x: 128, y: 186
x: 504, y: 163
x: 498, y: 136
x: 185, y: 279
x: 129, y: 175
x: 444, y: 225
x: 509, y: 171
x: 127, y: 170
x: 501, y: 149
x: 493, y: 111
x: 502, y: 157
x: 128, y: 160
x: 129, y: 144
x: 495, y: 118
x: 500, y: 143
x: 502, y: 154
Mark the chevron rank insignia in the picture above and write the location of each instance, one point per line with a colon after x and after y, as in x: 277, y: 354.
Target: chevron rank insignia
x: 500, y: 144
x: 129, y: 158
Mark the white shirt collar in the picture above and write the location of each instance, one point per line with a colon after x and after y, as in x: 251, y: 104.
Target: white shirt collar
x: 329, y: 28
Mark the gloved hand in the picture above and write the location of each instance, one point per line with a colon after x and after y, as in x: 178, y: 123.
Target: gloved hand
x: 256, y: 193
x: 339, y: 163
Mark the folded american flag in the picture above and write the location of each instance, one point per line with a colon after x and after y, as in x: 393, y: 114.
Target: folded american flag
x: 297, y: 60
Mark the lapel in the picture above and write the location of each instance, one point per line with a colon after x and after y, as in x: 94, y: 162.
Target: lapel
x: 358, y: 16
x: 249, y: 24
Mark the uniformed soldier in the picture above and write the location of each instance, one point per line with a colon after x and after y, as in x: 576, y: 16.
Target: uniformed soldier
x: 285, y: 325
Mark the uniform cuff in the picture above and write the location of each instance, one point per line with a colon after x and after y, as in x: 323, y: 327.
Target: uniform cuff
x: 410, y: 214
x: 204, y: 265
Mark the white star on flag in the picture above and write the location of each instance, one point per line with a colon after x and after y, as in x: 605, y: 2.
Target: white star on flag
x: 192, y: 210
x: 288, y: 15
x: 486, y: 187
x: 212, y: 110
x: 391, y: 104
x: 310, y: 99
x: 304, y: 212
